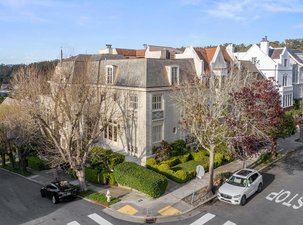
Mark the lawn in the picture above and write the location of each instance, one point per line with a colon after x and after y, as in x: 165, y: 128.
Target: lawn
x: 187, y: 166
x: 98, y: 197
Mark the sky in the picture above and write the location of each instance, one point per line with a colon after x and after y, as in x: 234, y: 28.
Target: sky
x: 36, y: 30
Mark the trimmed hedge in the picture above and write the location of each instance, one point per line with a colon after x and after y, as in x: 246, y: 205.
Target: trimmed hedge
x: 138, y: 177
x: 36, y: 163
x: 178, y: 147
x: 105, y: 159
x: 99, y: 177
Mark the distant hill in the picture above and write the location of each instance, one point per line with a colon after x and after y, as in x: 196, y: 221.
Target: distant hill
x: 44, y: 68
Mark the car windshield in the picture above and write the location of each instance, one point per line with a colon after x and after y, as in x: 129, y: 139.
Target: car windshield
x: 238, y: 181
x: 63, y: 185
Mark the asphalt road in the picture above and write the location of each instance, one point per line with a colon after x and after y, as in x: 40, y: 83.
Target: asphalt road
x: 280, y: 202
x: 21, y: 203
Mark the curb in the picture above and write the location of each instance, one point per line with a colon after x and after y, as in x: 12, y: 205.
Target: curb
x: 25, y: 177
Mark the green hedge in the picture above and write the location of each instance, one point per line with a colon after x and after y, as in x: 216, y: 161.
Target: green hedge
x: 138, y: 177
x: 178, y: 147
x: 99, y: 177
x: 36, y: 163
x: 104, y: 159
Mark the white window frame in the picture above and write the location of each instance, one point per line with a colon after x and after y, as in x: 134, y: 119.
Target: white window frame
x: 284, y: 80
x: 157, y: 105
x: 109, y: 74
x: 133, y: 101
x: 174, y: 75
x: 157, y: 132
x: 111, y: 131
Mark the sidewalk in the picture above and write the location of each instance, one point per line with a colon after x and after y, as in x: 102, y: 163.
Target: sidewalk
x: 137, y: 207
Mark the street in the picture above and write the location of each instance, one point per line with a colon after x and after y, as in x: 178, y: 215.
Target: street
x: 21, y: 203
x: 280, y: 203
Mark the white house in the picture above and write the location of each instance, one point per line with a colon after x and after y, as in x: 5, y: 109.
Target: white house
x: 296, y: 60
x: 274, y: 64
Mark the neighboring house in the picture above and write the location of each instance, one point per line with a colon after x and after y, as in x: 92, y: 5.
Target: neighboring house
x: 274, y: 64
x: 214, y: 61
x: 296, y: 60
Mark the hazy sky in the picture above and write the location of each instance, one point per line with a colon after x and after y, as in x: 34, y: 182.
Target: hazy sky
x: 35, y: 30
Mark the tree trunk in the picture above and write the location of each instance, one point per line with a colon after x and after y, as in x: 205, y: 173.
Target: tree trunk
x: 273, y: 148
x: 10, y: 155
x: 22, y: 161
x: 81, y: 177
x: 211, y: 170
x: 301, y: 132
x: 3, y: 156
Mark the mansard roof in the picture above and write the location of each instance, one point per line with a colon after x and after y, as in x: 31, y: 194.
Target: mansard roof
x: 133, y: 72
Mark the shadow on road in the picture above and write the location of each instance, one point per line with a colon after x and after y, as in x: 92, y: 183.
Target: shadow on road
x: 292, y: 162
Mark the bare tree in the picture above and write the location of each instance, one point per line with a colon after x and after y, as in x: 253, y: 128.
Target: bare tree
x: 205, y: 105
x: 18, y: 128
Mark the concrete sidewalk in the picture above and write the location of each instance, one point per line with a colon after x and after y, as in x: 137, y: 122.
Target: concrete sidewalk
x: 137, y: 207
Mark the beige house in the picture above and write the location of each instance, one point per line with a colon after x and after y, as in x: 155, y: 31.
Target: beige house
x: 143, y: 81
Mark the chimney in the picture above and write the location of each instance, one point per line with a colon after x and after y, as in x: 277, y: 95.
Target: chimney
x: 109, y: 48
x: 264, y: 45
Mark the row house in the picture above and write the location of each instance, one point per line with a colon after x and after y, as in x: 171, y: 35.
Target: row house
x: 274, y: 64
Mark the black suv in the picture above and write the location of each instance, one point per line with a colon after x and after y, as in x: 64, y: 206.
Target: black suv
x: 61, y: 190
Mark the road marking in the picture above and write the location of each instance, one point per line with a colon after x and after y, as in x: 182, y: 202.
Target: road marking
x: 98, y: 219
x: 127, y: 209
x: 169, y: 211
x: 34, y: 176
x: 229, y: 223
x: 73, y: 223
x: 204, y: 219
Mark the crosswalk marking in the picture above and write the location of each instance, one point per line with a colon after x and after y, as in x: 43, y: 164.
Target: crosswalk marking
x: 98, y: 219
x: 74, y: 223
x: 204, y: 219
x: 229, y: 223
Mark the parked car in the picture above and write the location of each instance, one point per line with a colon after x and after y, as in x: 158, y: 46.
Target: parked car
x: 240, y: 186
x: 57, y: 191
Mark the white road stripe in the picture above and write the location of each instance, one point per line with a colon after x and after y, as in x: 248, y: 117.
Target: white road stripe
x: 73, y: 223
x: 229, y: 223
x: 204, y: 219
x: 98, y: 219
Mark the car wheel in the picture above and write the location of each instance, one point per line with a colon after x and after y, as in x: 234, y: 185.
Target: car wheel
x: 243, y: 200
x: 42, y: 194
x: 54, y: 199
x: 260, y: 188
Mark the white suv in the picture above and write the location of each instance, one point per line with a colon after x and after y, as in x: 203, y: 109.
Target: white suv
x: 240, y: 186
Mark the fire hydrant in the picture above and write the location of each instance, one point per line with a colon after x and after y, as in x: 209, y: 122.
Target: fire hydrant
x: 108, y: 196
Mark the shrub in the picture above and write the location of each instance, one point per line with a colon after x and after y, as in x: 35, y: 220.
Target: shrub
x: 104, y: 159
x: 171, y: 162
x: 200, y: 155
x: 184, y: 158
x: 93, y: 175
x: 151, y: 162
x: 219, y: 157
x: 36, y: 163
x: 164, y: 151
x: 187, y: 166
x: 178, y: 147
x: 140, y: 178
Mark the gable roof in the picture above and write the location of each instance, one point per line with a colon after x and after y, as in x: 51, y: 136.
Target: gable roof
x: 295, y: 54
x: 275, y: 53
x: 207, y: 55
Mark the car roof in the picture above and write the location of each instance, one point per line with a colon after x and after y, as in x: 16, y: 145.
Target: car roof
x: 245, y: 172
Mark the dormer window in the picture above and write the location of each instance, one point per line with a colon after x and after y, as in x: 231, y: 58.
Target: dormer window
x: 173, y: 75
x: 110, y: 74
